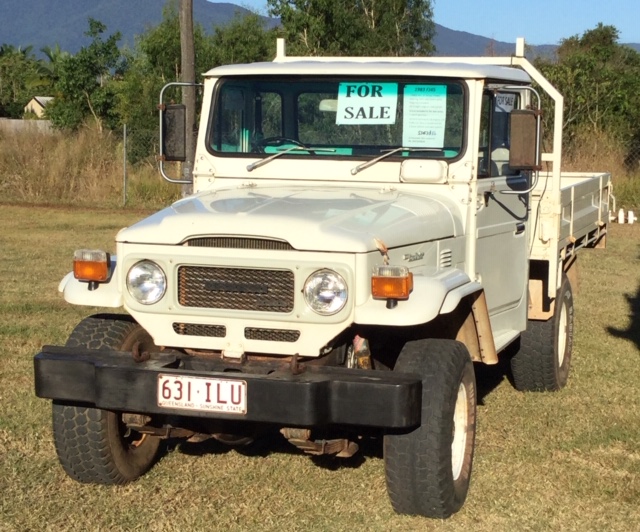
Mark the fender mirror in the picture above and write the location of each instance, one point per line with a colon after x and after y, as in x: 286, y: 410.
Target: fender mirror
x: 524, y: 151
x: 173, y: 132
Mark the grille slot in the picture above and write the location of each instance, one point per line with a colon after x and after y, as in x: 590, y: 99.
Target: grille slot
x: 196, y: 329
x: 239, y: 243
x: 446, y: 258
x: 271, y: 335
x: 236, y: 288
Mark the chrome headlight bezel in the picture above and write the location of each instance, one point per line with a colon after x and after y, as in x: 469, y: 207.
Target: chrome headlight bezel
x: 325, y: 292
x: 146, y: 282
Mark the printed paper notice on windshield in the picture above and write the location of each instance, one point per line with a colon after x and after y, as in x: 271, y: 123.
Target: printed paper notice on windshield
x: 505, y: 102
x: 367, y: 103
x: 424, y: 116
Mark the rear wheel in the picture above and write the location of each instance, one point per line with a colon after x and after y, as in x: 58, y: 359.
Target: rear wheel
x: 542, y: 363
x: 94, y: 445
x: 428, y: 470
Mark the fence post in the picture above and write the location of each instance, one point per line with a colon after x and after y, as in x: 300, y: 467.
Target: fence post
x: 124, y: 166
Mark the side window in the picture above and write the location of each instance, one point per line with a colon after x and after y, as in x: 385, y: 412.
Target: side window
x: 485, y: 135
x: 230, y: 131
x: 494, y: 134
x: 245, y: 117
x: 268, y: 115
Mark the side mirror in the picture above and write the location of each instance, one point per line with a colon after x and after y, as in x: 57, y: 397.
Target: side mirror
x: 524, y: 152
x: 173, y: 133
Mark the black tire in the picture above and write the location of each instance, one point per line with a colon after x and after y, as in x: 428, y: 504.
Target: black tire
x: 428, y: 470
x: 543, y: 360
x: 94, y: 445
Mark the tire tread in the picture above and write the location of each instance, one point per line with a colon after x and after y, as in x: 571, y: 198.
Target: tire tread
x: 84, y: 436
x: 418, y: 466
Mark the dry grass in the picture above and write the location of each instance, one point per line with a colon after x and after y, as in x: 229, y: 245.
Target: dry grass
x: 601, y: 153
x: 86, y: 168
x: 563, y: 461
x: 83, y: 168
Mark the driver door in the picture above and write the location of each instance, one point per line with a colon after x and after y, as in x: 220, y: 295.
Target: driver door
x: 503, y: 218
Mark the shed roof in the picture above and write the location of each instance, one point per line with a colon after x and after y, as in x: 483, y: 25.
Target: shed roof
x: 42, y: 100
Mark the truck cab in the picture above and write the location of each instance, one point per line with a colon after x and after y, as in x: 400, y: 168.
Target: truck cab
x: 361, y: 232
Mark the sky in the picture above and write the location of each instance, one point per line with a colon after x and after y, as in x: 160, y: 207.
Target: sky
x: 538, y: 21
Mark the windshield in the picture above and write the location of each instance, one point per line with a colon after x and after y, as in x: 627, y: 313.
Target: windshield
x: 337, y: 118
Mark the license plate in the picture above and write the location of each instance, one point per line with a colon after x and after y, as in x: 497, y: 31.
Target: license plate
x: 202, y: 393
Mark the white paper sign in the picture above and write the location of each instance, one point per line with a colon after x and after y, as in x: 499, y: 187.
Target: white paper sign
x: 424, y: 116
x: 367, y: 103
x: 505, y: 102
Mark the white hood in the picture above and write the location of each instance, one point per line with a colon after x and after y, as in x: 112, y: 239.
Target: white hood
x: 318, y: 219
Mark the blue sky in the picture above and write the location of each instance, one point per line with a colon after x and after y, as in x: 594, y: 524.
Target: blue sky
x: 538, y: 21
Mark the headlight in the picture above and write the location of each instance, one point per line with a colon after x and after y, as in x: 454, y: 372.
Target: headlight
x: 325, y: 292
x: 146, y: 282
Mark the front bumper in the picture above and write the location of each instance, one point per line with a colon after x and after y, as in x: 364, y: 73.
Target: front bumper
x: 318, y: 396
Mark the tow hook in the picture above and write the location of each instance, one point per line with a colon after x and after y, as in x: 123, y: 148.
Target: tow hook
x: 138, y: 354
x: 295, y: 366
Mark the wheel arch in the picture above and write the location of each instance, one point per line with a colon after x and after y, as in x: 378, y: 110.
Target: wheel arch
x: 472, y: 327
x: 104, y: 294
x: 541, y: 306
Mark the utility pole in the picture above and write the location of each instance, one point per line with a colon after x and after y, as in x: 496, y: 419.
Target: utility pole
x: 188, y: 70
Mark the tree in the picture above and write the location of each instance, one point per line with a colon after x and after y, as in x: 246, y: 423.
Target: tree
x: 244, y: 40
x: 20, y: 79
x: 51, y: 67
x: 156, y: 61
x: 600, y: 81
x: 83, y: 88
x: 363, y: 27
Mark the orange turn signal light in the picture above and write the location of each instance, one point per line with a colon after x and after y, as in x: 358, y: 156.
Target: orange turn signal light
x: 391, y: 282
x: 91, y: 265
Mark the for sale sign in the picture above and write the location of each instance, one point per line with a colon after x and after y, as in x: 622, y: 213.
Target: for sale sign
x: 367, y: 103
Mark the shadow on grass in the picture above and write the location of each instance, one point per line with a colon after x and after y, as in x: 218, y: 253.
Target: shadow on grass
x: 270, y: 441
x: 488, y: 378
x: 631, y: 333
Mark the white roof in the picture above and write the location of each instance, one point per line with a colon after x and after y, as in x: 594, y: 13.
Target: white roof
x: 362, y: 66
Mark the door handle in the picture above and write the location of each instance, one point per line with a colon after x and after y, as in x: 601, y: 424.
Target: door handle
x: 520, y: 227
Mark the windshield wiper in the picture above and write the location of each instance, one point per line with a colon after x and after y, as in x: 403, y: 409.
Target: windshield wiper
x: 262, y: 162
x: 388, y: 153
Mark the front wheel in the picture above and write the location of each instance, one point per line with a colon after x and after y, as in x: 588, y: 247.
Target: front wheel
x: 428, y: 470
x: 94, y: 445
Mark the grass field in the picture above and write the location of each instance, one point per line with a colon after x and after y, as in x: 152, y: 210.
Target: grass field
x: 563, y: 461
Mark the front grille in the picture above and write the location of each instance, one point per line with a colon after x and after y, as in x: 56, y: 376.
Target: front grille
x: 236, y: 288
x: 226, y: 242
x: 271, y: 335
x: 196, y: 329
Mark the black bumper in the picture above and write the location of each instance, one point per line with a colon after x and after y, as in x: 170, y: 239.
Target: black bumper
x: 319, y: 396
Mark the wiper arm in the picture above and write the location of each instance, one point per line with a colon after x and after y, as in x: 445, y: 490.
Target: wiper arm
x: 262, y: 162
x: 388, y: 153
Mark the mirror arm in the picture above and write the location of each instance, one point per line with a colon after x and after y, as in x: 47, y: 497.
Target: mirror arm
x: 162, y: 107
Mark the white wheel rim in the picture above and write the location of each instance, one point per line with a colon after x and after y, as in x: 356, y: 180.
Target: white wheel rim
x: 562, y: 334
x: 460, y: 428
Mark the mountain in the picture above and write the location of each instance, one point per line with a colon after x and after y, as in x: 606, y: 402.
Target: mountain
x: 44, y: 22
x: 460, y: 43
x: 40, y: 23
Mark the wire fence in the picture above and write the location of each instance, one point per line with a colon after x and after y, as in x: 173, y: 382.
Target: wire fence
x: 141, y: 146
x: 121, y: 167
x: 595, y: 154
